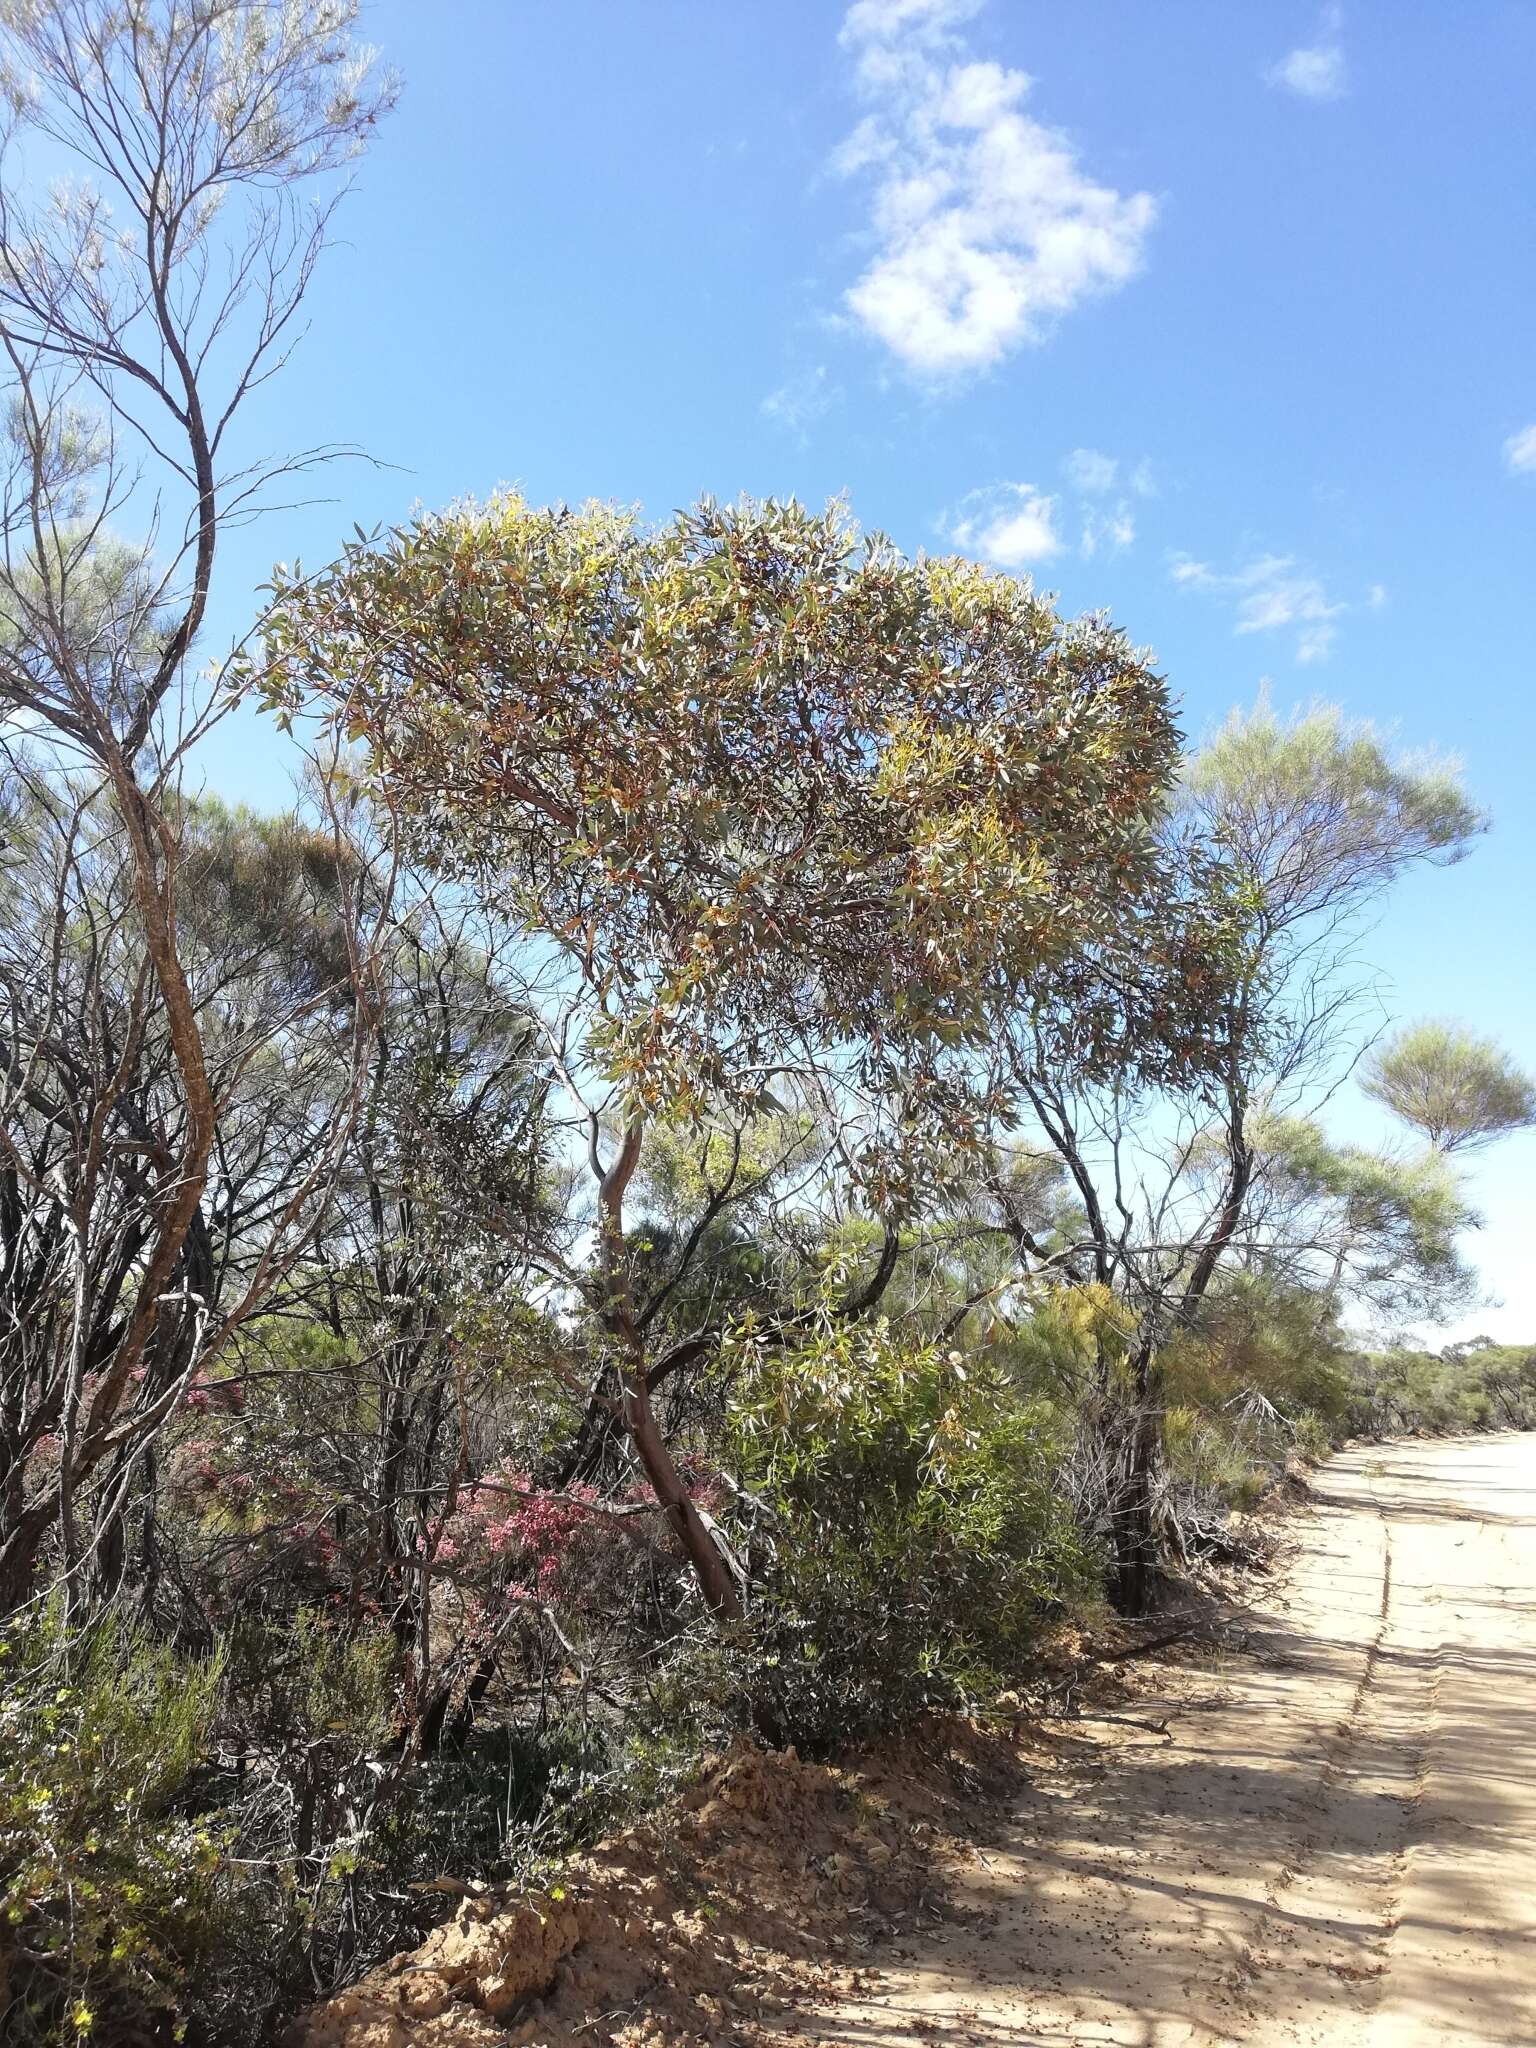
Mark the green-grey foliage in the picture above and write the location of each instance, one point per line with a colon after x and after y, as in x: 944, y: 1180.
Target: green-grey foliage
x: 909, y: 1536
x: 760, y: 773
x: 1380, y: 1230
x: 1459, y: 1090
x: 1473, y: 1386
x: 108, y: 1883
x: 1317, y: 814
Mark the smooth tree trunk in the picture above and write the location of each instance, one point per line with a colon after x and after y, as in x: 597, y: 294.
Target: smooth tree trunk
x: 714, y: 1576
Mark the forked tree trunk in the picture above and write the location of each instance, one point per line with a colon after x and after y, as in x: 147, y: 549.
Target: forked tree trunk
x: 636, y: 1411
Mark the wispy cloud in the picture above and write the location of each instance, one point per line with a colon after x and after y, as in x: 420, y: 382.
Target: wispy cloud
x: 1318, y: 70
x: 1520, y: 452
x: 1271, y: 594
x: 1107, y: 489
x: 1010, y: 525
x: 801, y: 401
x: 1015, y: 524
x: 986, y: 228
x: 1113, y: 528
x: 1090, y: 471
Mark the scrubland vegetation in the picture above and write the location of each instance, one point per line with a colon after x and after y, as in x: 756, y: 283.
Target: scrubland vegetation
x: 760, y: 1132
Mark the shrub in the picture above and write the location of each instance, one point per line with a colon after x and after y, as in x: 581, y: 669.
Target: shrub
x: 1217, y: 1462
x: 908, y: 1537
x: 108, y: 1891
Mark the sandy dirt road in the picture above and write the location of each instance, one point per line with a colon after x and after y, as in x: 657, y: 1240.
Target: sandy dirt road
x: 1337, y: 1843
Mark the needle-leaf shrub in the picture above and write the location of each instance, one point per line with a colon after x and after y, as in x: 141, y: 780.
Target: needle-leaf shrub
x: 108, y: 1885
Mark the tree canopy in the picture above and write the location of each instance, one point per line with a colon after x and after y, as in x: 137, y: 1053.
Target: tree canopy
x: 1459, y: 1090
x: 761, y: 775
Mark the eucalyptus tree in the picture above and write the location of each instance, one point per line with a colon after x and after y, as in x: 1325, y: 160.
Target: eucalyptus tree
x: 1186, y: 1128
x: 94, y: 1113
x: 780, y: 811
x: 144, y: 297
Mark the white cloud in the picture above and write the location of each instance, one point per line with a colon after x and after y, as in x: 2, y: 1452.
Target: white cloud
x: 986, y: 228
x: 1520, y: 452
x: 1315, y: 643
x: 1094, y: 476
x: 1090, y: 472
x: 1270, y: 594
x: 883, y: 20
x: 1009, y: 525
x: 801, y: 401
x: 1114, y: 529
x: 1317, y: 74
x: 1317, y: 71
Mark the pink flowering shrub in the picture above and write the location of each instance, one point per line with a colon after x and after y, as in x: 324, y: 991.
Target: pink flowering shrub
x: 204, y: 1394
x: 558, y: 1548
x: 535, y: 1543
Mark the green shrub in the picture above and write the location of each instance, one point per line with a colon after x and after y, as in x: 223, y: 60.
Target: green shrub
x: 108, y: 1891
x: 909, y: 1538
x: 1219, y: 1457
x: 341, y: 1829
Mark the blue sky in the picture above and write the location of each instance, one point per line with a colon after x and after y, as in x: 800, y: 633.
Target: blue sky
x: 1219, y: 317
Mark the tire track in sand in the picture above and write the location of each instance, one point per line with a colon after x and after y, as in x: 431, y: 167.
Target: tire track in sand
x: 1320, y: 1947
x: 1336, y: 1848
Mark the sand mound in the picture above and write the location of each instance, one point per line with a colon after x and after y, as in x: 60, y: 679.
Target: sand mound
x: 695, y: 1928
